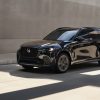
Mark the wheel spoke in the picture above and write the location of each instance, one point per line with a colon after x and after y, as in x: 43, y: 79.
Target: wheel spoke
x: 63, y: 63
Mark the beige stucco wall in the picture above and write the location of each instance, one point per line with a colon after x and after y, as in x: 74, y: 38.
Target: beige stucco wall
x: 24, y: 20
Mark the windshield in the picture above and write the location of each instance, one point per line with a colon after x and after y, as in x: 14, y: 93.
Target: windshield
x: 64, y: 35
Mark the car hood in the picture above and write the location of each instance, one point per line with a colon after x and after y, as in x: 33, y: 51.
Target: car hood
x: 41, y: 43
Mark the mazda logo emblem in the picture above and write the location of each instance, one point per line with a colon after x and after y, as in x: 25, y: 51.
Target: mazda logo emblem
x: 28, y: 50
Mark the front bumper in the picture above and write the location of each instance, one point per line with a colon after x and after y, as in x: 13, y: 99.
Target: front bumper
x: 39, y: 61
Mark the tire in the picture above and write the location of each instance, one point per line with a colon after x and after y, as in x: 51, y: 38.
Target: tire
x: 63, y: 63
x: 27, y: 67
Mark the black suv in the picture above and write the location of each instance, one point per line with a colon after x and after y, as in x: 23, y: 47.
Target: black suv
x: 61, y: 48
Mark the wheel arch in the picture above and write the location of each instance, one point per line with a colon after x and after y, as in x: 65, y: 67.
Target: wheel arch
x: 66, y: 52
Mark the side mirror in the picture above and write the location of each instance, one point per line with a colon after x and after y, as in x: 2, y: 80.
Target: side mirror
x: 79, y: 38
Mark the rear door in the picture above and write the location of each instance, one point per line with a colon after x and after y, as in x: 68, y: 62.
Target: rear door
x: 96, y: 38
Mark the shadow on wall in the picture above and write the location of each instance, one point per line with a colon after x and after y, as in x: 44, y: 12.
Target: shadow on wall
x: 22, y: 19
x: 33, y: 19
x: 71, y: 80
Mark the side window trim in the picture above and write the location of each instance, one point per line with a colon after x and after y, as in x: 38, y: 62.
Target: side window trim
x: 83, y: 35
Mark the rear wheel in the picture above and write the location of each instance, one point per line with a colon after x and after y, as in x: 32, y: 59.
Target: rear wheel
x: 63, y: 63
x: 27, y: 67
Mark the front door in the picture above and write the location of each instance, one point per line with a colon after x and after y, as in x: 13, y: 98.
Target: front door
x: 84, y: 49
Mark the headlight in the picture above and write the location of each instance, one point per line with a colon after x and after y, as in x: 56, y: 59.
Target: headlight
x: 46, y: 50
x: 51, y: 49
x: 42, y: 51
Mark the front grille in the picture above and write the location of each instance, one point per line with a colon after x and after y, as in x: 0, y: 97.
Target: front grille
x: 29, y: 52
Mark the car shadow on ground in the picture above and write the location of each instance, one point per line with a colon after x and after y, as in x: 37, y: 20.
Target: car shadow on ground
x: 74, y: 78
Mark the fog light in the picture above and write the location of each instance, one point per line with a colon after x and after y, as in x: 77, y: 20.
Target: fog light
x: 41, y: 56
x: 46, y: 60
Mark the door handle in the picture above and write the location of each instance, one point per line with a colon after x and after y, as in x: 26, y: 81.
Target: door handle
x: 90, y: 39
x: 87, y: 40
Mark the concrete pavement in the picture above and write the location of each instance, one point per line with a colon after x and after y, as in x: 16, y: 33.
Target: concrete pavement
x: 81, y: 82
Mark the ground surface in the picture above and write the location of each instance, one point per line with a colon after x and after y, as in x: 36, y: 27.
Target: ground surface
x: 81, y: 82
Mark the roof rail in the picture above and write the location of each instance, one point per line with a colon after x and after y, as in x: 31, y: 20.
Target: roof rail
x: 67, y: 28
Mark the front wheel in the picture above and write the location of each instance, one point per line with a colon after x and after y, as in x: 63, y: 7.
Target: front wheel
x: 63, y: 62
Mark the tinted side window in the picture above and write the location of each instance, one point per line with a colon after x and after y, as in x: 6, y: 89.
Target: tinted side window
x: 95, y: 35
x: 85, y: 32
x: 98, y: 35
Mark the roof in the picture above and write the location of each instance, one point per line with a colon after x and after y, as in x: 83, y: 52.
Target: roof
x: 74, y: 28
x: 67, y: 28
